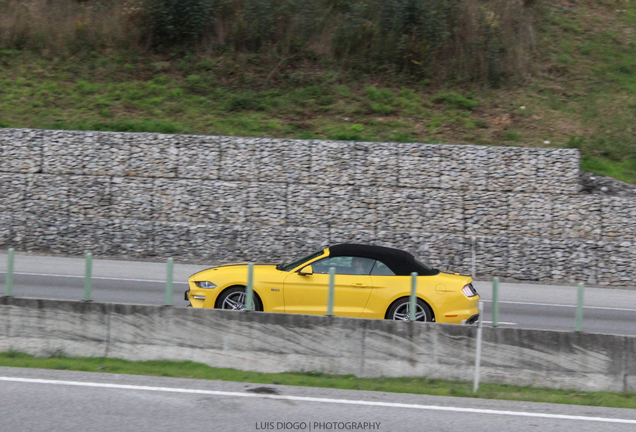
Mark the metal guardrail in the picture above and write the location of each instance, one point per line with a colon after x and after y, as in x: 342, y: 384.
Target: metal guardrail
x: 169, y: 277
x: 250, y: 306
x: 413, y: 297
x: 495, y: 302
x: 579, y: 308
x: 249, y: 294
x: 8, y: 288
x: 332, y: 291
x: 88, y: 277
x: 249, y: 289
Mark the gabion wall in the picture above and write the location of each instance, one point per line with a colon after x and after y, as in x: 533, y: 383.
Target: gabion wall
x: 223, y: 199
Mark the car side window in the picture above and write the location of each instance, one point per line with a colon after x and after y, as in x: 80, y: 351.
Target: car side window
x: 345, y: 265
x: 381, y: 269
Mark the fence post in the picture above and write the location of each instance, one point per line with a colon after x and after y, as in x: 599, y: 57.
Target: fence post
x: 413, y: 298
x: 579, y: 308
x: 332, y: 289
x: 169, y: 274
x: 332, y: 285
x: 88, y: 275
x: 473, y: 256
x: 495, y: 302
x: 9, y: 278
x: 478, y: 350
x: 249, y: 290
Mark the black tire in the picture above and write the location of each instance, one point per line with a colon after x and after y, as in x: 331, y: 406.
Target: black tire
x: 234, y: 299
x: 399, y: 311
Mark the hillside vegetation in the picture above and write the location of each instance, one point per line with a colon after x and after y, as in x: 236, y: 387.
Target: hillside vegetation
x: 494, y: 72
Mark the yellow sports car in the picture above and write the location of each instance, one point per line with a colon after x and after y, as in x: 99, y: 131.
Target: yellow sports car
x: 370, y: 282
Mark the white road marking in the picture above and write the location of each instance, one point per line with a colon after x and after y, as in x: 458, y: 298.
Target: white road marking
x: 563, y: 305
x: 320, y: 400
x: 501, y: 322
x: 94, y: 277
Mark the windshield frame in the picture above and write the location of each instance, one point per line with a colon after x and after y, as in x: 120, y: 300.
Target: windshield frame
x: 300, y: 262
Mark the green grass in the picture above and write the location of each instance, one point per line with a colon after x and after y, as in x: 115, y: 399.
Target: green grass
x: 580, y: 93
x: 187, y: 369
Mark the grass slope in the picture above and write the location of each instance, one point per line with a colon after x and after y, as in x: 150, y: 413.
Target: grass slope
x: 187, y: 369
x: 579, y: 93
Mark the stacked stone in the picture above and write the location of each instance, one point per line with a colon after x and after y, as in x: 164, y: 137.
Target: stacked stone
x: 595, y: 184
x: 517, y: 211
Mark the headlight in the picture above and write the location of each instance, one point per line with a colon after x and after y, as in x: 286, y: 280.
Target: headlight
x: 205, y: 284
x: 469, y: 291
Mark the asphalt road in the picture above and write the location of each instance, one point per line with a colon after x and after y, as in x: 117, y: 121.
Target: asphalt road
x: 607, y: 310
x: 45, y: 400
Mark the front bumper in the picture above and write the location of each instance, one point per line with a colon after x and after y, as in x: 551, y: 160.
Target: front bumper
x: 473, y: 319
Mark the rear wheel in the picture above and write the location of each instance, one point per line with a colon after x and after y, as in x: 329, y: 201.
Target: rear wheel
x: 234, y: 299
x: 401, y: 308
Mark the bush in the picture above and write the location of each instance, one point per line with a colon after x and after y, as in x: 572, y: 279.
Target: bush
x: 197, y: 84
x: 484, y: 40
x: 176, y: 22
x: 454, y: 100
x: 67, y: 26
x: 382, y: 96
x: 159, y: 126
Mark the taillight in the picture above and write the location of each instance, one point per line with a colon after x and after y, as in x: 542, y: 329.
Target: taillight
x: 469, y: 291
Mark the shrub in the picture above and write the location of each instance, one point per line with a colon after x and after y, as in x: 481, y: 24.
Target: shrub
x: 176, y: 22
x: 67, y: 26
x: 246, y: 101
x: 379, y: 108
x: 197, y: 84
x: 346, y: 136
x: 455, y: 100
x: 485, y: 40
x: 382, y: 96
x: 137, y: 126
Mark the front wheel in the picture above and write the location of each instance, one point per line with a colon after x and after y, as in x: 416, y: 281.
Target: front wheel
x: 400, y: 310
x: 234, y: 299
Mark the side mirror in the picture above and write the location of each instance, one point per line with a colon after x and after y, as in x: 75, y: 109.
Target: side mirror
x: 306, y: 271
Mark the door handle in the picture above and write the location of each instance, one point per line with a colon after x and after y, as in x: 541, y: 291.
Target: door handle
x: 359, y: 285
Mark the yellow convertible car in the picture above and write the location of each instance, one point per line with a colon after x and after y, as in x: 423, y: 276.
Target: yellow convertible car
x: 370, y: 282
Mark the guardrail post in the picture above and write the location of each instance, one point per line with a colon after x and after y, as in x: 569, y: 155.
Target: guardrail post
x: 169, y: 274
x: 579, y: 308
x: 495, y: 302
x: 413, y: 298
x: 8, y: 282
x: 88, y: 275
x: 332, y: 285
x: 473, y: 256
x: 478, y: 349
x: 249, y: 290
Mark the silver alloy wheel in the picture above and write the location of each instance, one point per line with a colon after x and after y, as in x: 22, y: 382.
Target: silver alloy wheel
x: 402, y: 312
x: 234, y: 301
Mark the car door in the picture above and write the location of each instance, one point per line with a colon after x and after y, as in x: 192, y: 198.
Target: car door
x: 307, y: 294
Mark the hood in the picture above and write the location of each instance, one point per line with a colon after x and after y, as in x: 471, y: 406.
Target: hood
x: 232, y: 265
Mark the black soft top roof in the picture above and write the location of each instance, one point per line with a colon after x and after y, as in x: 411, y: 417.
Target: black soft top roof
x: 400, y: 262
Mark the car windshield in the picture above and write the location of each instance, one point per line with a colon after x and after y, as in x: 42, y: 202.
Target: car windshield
x: 293, y: 265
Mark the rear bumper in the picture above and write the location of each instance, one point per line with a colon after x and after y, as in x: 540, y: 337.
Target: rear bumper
x: 459, y: 316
